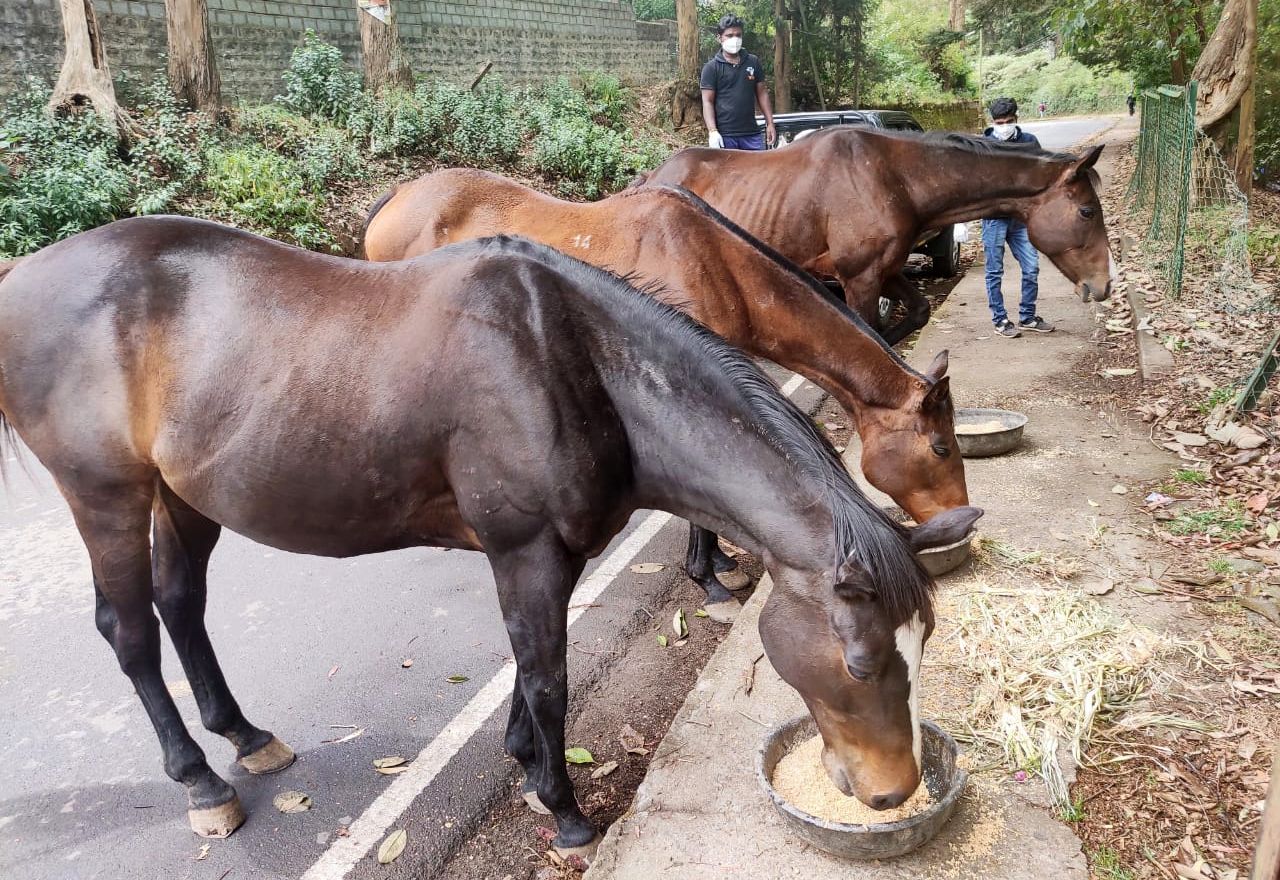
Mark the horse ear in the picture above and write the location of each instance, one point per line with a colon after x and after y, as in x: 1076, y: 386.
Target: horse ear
x: 939, y: 395
x: 1083, y: 164
x: 938, y: 368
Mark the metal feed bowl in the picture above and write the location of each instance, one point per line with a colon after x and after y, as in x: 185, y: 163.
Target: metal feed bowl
x: 940, y: 560
x: 998, y: 442
x: 884, y: 840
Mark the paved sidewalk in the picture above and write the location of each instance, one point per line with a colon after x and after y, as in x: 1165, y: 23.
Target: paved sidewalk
x: 700, y: 813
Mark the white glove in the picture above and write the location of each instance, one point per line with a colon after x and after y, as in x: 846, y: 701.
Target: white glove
x: 715, y: 141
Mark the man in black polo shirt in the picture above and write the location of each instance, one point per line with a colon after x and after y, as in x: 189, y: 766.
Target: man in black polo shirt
x: 732, y: 82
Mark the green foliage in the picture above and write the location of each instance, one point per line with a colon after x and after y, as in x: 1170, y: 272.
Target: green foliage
x: 651, y: 10
x: 66, y: 174
x: 1072, y: 812
x: 1107, y: 865
x: 324, y: 153
x: 1222, y: 523
x: 1187, y: 475
x: 319, y: 82
x: 1220, y: 566
x: 265, y: 191
x: 1063, y: 83
x: 1266, y: 156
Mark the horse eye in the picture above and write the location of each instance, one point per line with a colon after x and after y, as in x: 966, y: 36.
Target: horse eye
x: 940, y: 450
x: 858, y: 673
x: 1087, y: 212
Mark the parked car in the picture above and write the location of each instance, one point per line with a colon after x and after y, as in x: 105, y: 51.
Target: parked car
x: 940, y: 245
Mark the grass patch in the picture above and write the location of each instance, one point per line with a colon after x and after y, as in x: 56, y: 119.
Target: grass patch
x: 1072, y: 812
x: 1227, y: 521
x: 1107, y: 865
x: 1187, y: 475
x: 1220, y: 566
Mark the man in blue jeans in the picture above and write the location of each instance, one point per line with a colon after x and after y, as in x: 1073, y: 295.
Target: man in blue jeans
x: 998, y: 230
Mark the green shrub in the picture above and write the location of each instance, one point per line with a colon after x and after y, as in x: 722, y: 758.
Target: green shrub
x: 319, y: 83
x: 325, y: 154
x: 66, y: 174
x: 607, y: 99
x: 589, y: 160
x: 265, y: 191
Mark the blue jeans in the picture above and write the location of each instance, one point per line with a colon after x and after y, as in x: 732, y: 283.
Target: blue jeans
x: 745, y: 142
x: 994, y: 235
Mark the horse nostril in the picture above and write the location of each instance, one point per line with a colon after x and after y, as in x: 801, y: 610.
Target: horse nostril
x: 886, y: 801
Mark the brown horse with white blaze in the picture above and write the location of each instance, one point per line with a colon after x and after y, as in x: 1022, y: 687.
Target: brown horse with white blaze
x: 688, y: 255
x: 851, y: 202
x: 177, y: 377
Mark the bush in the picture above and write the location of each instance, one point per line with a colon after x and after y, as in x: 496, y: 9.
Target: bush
x: 319, y: 83
x: 1064, y: 84
x: 67, y: 174
x: 264, y: 191
x: 325, y: 154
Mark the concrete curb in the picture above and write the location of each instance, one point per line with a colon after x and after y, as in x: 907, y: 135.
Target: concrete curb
x: 1154, y: 360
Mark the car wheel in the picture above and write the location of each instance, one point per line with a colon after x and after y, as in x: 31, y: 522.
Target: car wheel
x: 944, y: 250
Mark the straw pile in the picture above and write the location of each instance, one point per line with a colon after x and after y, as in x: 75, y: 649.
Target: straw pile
x: 1050, y: 666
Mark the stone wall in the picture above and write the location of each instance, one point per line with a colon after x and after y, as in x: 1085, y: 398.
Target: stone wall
x: 527, y: 40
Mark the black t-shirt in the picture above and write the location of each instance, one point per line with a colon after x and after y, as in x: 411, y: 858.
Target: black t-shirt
x: 735, y: 88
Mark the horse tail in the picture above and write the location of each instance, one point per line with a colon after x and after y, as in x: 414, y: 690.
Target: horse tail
x: 368, y: 218
x: 8, y: 436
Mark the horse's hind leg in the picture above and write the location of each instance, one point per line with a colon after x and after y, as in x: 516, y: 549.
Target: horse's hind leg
x: 113, y: 522
x: 534, y: 584
x: 183, y: 541
x: 519, y: 745
x: 721, y: 606
x: 899, y: 288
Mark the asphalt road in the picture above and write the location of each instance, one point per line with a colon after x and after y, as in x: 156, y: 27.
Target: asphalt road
x: 1059, y: 134
x: 314, y: 650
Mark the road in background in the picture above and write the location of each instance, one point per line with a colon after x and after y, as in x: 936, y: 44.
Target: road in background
x: 1060, y: 134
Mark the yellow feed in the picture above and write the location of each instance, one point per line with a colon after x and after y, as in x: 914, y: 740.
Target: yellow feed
x: 803, y: 782
x: 989, y: 427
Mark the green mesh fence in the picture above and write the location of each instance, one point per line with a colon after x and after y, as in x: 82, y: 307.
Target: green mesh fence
x: 1184, y: 197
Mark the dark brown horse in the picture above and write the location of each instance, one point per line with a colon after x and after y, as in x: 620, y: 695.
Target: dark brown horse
x: 177, y: 377
x: 688, y: 255
x: 851, y: 203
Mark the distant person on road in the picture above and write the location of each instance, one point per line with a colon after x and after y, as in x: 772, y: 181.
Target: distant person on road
x: 1043, y: 108
x: 1131, y: 101
x: 996, y: 231
x: 732, y: 84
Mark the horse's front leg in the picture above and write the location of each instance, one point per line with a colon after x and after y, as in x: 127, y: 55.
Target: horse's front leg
x: 700, y: 565
x: 534, y: 582
x: 897, y: 287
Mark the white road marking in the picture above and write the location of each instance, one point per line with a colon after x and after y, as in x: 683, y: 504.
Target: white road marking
x: 909, y: 638
x: 387, y: 807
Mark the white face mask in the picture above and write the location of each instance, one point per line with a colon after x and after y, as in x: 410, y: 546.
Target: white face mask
x: 1006, y: 131
x: 732, y: 45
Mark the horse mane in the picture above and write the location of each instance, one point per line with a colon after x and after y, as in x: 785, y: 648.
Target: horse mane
x: 787, y: 265
x: 968, y: 143
x: 862, y: 530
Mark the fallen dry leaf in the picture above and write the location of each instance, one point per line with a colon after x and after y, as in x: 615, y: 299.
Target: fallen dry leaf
x: 292, y: 802
x: 203, y: 854
x: 632, y: 741
x: 392, y: 846
x: 604, y: 770
x: 407, y: 662
x: 647, y: 567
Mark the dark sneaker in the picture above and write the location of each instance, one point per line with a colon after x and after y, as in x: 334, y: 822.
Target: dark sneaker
x: 1005, y: 328
x: 1037, y: 325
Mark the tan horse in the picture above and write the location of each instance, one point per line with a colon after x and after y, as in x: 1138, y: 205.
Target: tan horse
x: 852, y: 202
x: 694, y: 259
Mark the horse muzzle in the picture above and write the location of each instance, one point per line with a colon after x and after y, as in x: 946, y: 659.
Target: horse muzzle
x: 1095, y: 292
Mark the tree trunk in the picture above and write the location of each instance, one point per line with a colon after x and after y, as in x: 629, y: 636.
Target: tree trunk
x: 813, y: 62
x: 1225, y: 73
x: 857, y: 57
x: 686, y: 97
x: 85, y: 77
x: 955, y: 16
x: 384, y: 63
x: 193, y: 71
x: 781, y: 58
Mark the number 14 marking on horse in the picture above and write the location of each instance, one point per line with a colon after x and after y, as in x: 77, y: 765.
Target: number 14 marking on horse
x: 581, y: 241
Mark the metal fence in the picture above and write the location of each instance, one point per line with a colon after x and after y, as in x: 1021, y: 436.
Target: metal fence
x: 1185, y: 198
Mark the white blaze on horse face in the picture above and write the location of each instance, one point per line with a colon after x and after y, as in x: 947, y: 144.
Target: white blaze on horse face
x: 909, y: 639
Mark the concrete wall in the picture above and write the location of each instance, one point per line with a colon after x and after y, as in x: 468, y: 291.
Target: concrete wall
x: 527, y: 40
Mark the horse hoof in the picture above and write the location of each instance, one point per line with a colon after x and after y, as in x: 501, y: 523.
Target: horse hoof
x: 586, y: 852
x: 734, y: 579
x: 219, y: 821
x: 723, y: 612
x: 535, y: 803
x: 271, y: 758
